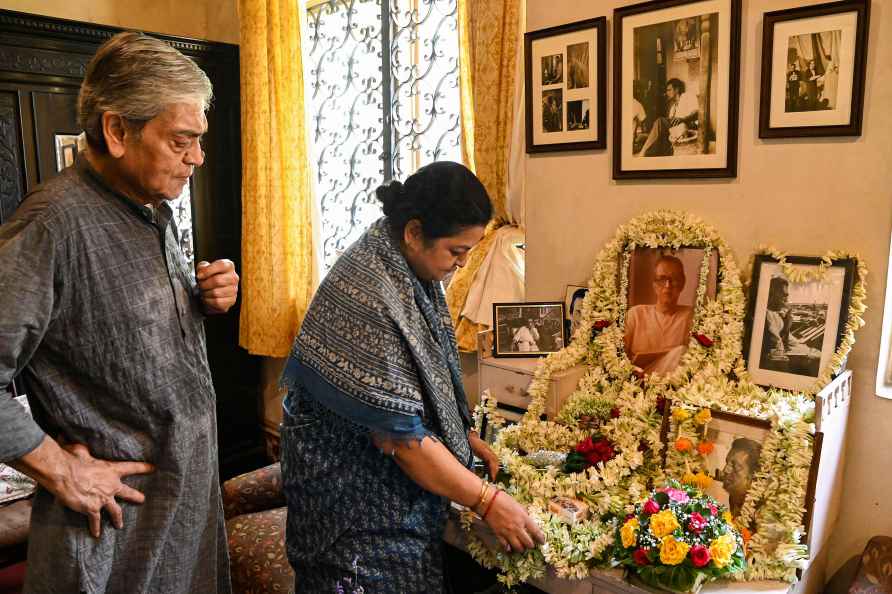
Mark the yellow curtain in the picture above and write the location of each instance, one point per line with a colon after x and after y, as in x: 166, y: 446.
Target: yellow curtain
x: 488, y: 34
x: 278, y: 276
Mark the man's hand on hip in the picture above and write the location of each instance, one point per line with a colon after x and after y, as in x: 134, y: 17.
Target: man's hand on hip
x: 219, y: 285
x: 81, y: 482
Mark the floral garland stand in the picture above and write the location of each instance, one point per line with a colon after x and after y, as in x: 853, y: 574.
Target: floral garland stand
x: 711, y: 374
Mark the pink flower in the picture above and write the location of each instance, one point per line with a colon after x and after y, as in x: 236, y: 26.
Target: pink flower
x: 713, y: 509
x: 699, y: 556
x: 651, y: 507
x: 640, y: 556
x: 676, y: 495
x: 697, y: 523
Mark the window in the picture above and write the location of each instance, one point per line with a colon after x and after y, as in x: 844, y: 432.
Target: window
x: 374, y: 114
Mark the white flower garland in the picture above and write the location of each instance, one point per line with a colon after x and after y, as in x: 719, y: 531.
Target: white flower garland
x: 712, y: 376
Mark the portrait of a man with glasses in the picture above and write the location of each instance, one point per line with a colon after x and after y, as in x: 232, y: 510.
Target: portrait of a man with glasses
x: 657, y: 334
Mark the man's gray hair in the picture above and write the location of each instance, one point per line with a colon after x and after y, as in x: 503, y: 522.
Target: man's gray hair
x: 138, y: 77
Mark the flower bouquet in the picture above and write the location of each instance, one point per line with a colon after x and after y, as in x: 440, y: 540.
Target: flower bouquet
x: 678, y: 539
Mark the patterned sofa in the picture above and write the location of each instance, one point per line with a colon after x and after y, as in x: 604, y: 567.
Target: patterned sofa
x: 254, y: 507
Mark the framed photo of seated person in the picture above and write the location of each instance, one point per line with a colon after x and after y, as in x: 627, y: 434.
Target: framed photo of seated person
x: 794, y: 328
x: 527, y: 329
x: 662, y: 301
x: 565, y: 70
x: 676, y: 75
x: 814, y: 60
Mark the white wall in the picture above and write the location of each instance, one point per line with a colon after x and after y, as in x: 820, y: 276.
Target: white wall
x: 215, y: 20
x: 804, y: 196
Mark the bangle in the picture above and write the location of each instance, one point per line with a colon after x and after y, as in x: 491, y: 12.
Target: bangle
x: 482, y: 504
x: 491, y: 501
x: 482, y: 496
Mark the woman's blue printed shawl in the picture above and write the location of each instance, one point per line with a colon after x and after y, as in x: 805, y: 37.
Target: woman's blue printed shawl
x: 377, y: 348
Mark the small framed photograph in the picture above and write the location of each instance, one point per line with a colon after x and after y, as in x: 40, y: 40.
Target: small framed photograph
x: 528, y: 329
x: 735, y: 457
x: 676, y: 71
x: 67, y: 148
x: 661, y: 304
x: 793, y: 329
x: 566, y: 87
x: 814, y: 60
x: 573, y: 298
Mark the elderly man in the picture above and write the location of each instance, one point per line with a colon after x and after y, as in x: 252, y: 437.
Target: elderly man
x: 741, y: 464
x: 101, y: 311
x: 656, y: 336
x: 682, y: 112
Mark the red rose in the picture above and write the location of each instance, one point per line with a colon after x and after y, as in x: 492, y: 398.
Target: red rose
x: 697, y: 523
x: 699, y: 556
x: 585, y: 446
x: 614, y: 412
x: 601, y: 324
x: 704, y: 340
x: 605, y: 449
x: 651, y: 507
x: 640, y: 556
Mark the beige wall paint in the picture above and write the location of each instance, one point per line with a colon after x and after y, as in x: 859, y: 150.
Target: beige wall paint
x: 804, y: 196
x: 216, y: 20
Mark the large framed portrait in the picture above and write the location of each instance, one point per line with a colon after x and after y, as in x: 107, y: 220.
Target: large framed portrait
x: 676, y: 70
x: 662, y: 302
x: 566, y: 87
x: 813, y: 70
x: 527, y: 329
x: 794, y: 328
x: 735, y: 457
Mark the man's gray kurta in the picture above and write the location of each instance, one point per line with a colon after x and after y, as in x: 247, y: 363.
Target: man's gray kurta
x: 97, y: 301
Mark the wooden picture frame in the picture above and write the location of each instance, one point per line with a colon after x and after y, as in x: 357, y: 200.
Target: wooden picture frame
x: 565, y: 74
x: 693, y: 48
x: 528, y: 329
x: 811, y: 328
x: 818, y: 90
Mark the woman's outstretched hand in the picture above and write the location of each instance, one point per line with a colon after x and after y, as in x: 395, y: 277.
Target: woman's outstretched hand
x: 512, y: 525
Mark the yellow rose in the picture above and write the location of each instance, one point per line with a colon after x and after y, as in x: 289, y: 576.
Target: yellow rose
x: 721, y: 549
x: 703, y: 417
x: 728, y: 517
x: 680, y: 415
x: 673, y: 552
x: 628, y: 532
x: 663, y: 523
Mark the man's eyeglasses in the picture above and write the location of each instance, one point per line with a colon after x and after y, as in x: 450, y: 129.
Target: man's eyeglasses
x: 667, y: 281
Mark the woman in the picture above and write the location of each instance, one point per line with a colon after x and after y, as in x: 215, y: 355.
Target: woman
x: 375, y: 439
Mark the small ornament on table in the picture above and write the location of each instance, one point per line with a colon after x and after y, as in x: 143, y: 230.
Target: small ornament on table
x: 570, y: 510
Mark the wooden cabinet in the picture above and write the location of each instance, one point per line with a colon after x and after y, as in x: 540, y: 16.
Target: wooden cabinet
x: 508, y: 379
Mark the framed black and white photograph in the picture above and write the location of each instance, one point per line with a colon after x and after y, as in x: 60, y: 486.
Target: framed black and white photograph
x: 661, y: 299
x: 793, y: 329
x: 735, y: 457
x: 573, y: 298
x: 814, y: 60
x: 566, y: 87
x: 67, y: 148
x: 527, y: 329
x: 676, y: 71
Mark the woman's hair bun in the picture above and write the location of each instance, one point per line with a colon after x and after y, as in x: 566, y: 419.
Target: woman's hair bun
x: 390, y: 194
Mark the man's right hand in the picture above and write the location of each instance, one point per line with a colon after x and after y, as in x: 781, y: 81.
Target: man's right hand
x: 81, y: 482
